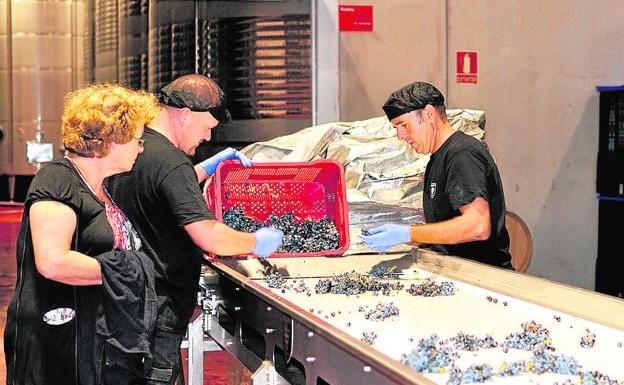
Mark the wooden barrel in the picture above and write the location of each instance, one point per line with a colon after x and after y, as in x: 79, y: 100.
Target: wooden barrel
x: 520, y: 241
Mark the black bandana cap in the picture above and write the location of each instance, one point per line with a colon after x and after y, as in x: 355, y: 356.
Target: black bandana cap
x: 412, y: 97
x: 183, y: 96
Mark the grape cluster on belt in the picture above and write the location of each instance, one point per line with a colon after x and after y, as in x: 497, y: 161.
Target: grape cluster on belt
x: 368, y: 337
x: 463, y: 341
x: 380, y: 312
x: 588, y: 340
x: 352, y: 283
x: 433, y: 355
x: 275, y: 280
x: 474, y: 373
x: 382, y: 272
x: 533, y: 337
x: 432, y: 289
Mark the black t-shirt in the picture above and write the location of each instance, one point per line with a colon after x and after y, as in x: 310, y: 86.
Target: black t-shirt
x: 459, y: 172
x: 41, y: 334
x: 160, y: 196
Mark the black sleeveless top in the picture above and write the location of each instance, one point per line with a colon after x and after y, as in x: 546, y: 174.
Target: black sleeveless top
x: 44, y: 319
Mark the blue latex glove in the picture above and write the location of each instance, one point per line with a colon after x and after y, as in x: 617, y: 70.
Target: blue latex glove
x: 268, y: 239
x: 210, y: 165
x: 382, y: 238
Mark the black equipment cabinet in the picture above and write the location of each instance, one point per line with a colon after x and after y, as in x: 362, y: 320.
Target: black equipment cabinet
x: 610, y: 262
x: 610, y: 189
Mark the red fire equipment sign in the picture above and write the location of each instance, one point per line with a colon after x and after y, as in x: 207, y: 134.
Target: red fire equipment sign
x: 467, y: 67
x: 355, y: 18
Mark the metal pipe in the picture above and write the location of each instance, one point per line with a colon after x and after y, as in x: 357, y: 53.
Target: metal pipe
x: 11, y: 187
x: 91, y: 5
x: 196, y: 37
x: 313, y: 63
x: 117, y: 41
x: 446, y: 43
x: 74, y: 44
x: 9, y: 101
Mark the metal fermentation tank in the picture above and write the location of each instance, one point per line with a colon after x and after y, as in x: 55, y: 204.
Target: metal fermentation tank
x: 41, y: 59
x: 274, y: 59
x: 261, y: 54
x: 133, y: 18
x: 172, y: 41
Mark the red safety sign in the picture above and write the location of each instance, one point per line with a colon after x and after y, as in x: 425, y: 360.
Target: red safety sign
x: 467, y: 67
x: 355, y: 18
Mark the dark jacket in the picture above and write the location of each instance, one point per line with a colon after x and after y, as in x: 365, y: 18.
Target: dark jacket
x: 126, y: 317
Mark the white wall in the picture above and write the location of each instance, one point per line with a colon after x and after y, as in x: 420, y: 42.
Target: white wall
x: 408, y: 41
x: 539, y: 63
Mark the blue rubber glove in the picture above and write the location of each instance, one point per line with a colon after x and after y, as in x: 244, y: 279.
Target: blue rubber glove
x: 210, y: 165
x: 268, y: 239
x: 382, y: 238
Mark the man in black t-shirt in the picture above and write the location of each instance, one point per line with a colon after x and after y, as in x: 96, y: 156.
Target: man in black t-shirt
x: 162, y: 199
x: 463, y: 196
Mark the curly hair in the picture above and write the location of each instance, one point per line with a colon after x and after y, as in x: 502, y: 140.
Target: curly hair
x: 99, y: 114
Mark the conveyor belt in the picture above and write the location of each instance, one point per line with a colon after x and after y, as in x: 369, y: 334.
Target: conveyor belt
x: 488, y: 301
x: 472, y: 310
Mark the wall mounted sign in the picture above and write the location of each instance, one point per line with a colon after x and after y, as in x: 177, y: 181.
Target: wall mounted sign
x: 466, y: 67
x: 355, y: 18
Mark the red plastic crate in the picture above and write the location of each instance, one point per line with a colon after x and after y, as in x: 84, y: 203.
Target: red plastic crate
x: 311, y: 190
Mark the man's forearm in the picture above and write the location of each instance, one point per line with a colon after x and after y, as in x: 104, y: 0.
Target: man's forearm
x: 472, y: 225
x: 201, y: 174
x: 450, y: 232
x: 215, y: 237
x: 232, y: 242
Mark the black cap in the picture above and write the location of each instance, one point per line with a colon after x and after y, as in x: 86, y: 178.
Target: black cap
x: 197, y: 93
x: 412, y: 97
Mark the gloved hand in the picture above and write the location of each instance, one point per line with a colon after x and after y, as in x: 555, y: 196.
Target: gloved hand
x: 268, y: 239
x: 210, y: 165
x: 382, y: 238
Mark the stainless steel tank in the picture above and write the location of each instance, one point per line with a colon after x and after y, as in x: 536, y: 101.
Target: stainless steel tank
x: 41, y: 59
x: 261, y: 55
x: 265, y: 54
x: 6, y: 141
x: 105, y: 41
x: 133, y: 34
x: 172, y: 41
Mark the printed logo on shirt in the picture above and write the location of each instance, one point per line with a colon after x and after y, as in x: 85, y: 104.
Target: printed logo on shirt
x: 433, y: 190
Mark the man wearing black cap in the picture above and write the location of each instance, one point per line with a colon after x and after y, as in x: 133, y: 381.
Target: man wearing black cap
x: 463, y: 196
x: 162, y: 199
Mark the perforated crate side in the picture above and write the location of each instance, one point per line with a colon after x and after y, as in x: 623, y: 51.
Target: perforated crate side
x: 311, y: 190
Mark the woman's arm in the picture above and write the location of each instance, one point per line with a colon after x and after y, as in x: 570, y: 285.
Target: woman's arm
x: 52, y: 226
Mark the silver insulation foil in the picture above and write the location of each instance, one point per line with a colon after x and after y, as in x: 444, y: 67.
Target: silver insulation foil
x: 384, y: 176
x: 378, y: 166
